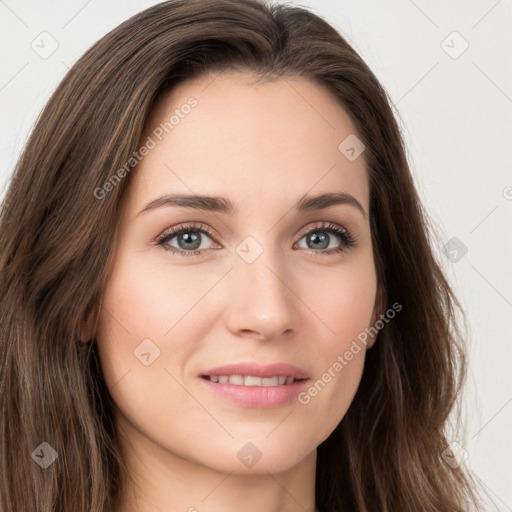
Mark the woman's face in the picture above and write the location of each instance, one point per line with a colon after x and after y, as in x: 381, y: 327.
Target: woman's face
x: 246, y: 282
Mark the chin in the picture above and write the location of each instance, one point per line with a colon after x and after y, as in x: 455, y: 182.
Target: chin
x: 244, y: 456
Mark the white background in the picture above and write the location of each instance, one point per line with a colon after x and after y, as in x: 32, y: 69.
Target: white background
x: 456, y: 115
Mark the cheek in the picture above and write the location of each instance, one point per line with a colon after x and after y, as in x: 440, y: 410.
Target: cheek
x: 349, y: 307
x: 149, y: 300
x: 150, y: 314
x: 344, y: 301
x: 142, y: 366
x: 345, y: 306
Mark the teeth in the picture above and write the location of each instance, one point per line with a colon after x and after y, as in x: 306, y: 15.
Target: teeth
x: 236, y: 379
x: 249, y: 380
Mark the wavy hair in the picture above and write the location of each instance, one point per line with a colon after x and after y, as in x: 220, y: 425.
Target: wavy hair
x: 56, y: 253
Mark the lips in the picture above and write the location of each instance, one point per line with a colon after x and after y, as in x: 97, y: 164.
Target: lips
x: 257, y: 370
x: 255, y: 385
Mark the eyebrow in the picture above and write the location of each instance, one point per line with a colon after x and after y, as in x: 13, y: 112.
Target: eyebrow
x: 224, y: 205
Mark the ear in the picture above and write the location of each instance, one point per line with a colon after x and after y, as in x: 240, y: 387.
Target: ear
x: 378, y: 309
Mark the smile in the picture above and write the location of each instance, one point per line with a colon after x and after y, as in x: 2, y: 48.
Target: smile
x: 250, y: 380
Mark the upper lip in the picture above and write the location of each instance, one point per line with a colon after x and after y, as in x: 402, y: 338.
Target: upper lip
x: 258, y: 370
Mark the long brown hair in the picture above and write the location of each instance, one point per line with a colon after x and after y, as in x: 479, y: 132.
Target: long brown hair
x: 57, y: 236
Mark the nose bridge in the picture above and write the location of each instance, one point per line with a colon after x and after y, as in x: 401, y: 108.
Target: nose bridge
x: 262, y: 298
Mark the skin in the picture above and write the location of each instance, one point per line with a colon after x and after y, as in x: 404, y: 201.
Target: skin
x: 263, y: 146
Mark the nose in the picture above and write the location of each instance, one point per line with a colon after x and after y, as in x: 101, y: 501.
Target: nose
x: 262, y: 301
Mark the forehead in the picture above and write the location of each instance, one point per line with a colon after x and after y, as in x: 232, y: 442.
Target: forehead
x: 270, y: 139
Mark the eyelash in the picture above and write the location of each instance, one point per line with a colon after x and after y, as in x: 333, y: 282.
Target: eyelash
x: 347, y: 239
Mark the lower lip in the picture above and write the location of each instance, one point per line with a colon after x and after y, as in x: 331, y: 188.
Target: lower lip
x: 264, y: 397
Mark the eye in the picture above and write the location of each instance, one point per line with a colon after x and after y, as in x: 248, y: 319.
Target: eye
x: 189, y: 239
x: 320, y: 237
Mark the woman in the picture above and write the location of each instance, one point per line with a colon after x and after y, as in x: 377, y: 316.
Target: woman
x: 218, y: 290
